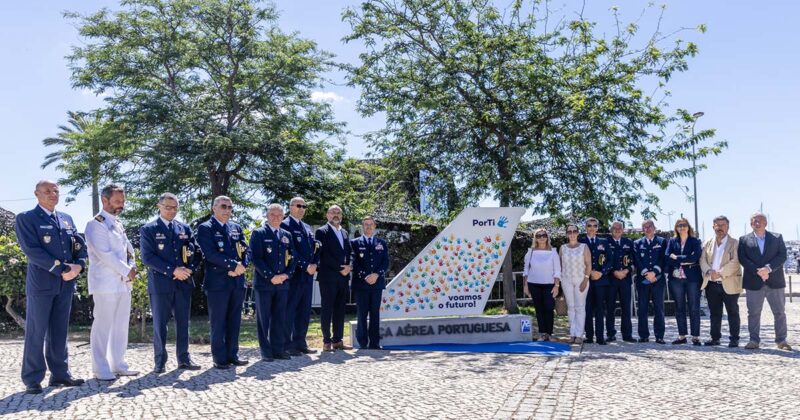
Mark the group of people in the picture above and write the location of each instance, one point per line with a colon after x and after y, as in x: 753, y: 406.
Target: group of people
x: 596, y: 273
x: 285, y: 256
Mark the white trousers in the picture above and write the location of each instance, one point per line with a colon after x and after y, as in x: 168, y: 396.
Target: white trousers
x: 109, y: 338
x: 576, y: 304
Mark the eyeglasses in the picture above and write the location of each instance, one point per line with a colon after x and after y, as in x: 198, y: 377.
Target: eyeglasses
x: 540, y: 235
x: 301, y: 206
x: 166, y: 207
x: 682, y: 225
x: 226, y: 207
x: 571, y: 231
x: 593, y: 225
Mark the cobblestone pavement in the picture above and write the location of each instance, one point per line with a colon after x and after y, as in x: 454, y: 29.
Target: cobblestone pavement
x: 620, y: 380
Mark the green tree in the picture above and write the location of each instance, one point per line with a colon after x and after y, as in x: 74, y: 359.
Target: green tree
x: 13, y: 265
x: 91, y: 149
x: 217, y: 96
x: 532, y: 110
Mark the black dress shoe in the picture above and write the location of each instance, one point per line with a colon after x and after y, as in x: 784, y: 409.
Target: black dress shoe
x: 733, y: 344
x: 282, y: 356
x: 680, y: 341
x: 611, y: 338
x: 375, y: 348
x: 159, y: 369
x: 239, y: 362
x: 588, y: 341
x: 629, y: 339
x: 696, y: 342
x: 660, y: 341
x: 294, y: 353
x: 644, y: 340
x: 67, y: 382
x: 33, y: 389
x: 267, y: 359
x: 222, y: 366
x: 602, y: 342
x: 712, y: 342
x: 189, y: 366
x: 308, y: 351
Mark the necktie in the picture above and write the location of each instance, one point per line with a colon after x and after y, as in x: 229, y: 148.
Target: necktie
x: 275, y: 232
x: 54, y: 218
x: 169, y: 226
x: 369, y: 241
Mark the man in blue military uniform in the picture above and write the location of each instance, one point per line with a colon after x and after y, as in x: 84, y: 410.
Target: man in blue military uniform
x: 649, y: 258
x: 225, y: 251
x: 271, y: 252
x: 620, y: 283
x: 370, y: 262
x: 334, y: 277
x: 596, y: 306
x: 56, y: 257
x: 168, y: 250
x: 301, y: 281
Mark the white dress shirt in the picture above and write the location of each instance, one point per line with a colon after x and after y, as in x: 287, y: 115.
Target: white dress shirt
x: 718, y: 251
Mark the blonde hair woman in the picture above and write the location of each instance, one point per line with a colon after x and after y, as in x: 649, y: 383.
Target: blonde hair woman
x: 576, y: 263
x: 542, y: 275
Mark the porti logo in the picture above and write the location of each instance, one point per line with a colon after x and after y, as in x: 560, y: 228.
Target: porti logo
x: 501, y: 222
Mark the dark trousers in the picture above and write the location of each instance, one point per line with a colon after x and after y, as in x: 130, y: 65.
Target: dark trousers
x: 716, y: 299
x: 544, y: 304
x: 271, y: 321
x: 176, y: 304
x: 596, y: 308
x: 225, y: 317
x: 650, y: 293
x: 368, y: 304
x: 619, y: 290
x: 334, y: 298
x: 298, y: 310
x: 684, y: 291
x: 46, y: 325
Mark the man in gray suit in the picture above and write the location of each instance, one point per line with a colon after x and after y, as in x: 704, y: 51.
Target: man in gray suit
x: 762, y: 255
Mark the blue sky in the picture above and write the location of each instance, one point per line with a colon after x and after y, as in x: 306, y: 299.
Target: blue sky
x: 744, y: 80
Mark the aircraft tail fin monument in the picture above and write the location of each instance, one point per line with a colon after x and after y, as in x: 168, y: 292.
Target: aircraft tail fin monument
x: 455, y: 272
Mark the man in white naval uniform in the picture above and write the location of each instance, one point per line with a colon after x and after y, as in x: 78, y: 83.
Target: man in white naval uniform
x: 112, y: 269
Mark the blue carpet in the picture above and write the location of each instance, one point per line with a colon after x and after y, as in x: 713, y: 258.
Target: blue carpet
x: 540, y: 347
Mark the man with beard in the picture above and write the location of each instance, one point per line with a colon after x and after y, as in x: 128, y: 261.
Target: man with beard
x: 334, y: 278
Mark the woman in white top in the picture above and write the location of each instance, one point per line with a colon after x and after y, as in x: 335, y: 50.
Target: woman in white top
x: 542, y: 275
x: 576, y: 263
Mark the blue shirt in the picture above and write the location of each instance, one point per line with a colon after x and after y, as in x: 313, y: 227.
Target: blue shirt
x: 761, y: 240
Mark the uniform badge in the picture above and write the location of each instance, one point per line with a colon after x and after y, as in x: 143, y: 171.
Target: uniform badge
x: 77, y: 246
x: 269, y: 250
x: 600, y: 248
x: 642, y: 254
x: 379, y: 247
x: 220, y: 244
x: 160, y: 247
x: 298, y: 238
x: 56, y: 262
x: 285, y: 240
x: 47, y: 239
x: 361, y: 255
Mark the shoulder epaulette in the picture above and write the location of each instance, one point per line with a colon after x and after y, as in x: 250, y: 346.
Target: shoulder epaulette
x: 100, y: 218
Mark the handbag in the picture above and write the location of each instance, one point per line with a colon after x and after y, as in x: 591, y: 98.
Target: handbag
x: 561, y: 303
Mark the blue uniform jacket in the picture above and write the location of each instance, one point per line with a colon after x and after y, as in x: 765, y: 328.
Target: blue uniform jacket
x: 163, y: 251
x: 650, y: 258
x: 271, y: 255
x: 621, y: 257
x: 689, y: 258
x: 305, y: 246
x: 49, y: 245
x: 331, y: 254
x: 221, y: 253
x: 601, y: 259
x: 368, y: 259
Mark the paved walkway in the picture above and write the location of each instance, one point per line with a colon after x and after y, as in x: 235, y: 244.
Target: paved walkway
x: 621, y: 380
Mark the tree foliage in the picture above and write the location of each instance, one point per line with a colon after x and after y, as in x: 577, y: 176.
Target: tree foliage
x: 13, y: 264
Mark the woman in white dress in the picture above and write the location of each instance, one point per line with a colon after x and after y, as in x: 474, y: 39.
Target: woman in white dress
x: 542, y: 275
x: 576, y: 263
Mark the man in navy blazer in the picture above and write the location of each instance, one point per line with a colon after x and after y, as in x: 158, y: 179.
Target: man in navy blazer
x: 762, y: 255
x: 301, y: 281
x: 168, y: 250
x: 56, y: 257
x: 225, y: 251
x: 272, y: 255
x: 620, y: 283
x: 333, y: 276
x: 370, y: 262
x: 650, y: 260
x: 596, y: 298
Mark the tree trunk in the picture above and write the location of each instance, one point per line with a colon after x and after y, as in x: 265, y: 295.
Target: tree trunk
x: 509, y: 291
x: 95, y: 198
x: 14, y: 315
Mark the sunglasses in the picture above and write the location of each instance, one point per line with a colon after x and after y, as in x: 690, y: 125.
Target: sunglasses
x: 226, y: 207
x: 594, y: 225
x: 540, y: 235
x: 301, y: 206
x: 571, y: 231
x: 683, y: 225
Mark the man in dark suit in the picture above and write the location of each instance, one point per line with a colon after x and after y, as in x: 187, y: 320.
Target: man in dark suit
x: 225, y: 251
x: 334, y: 276
x: 56, y: 257
x: 596, y: 305
x: 370, y: 262
x: 301, y: 282
x: 271, y: 252
x: 620, y: 283
x: 168, y: 250
x: 762, y: 255
x: 650, y: 259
